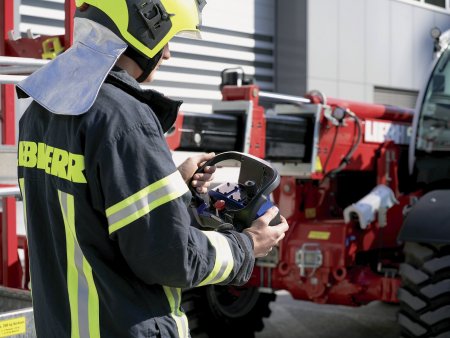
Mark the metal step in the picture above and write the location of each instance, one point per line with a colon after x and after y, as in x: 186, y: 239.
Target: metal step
x: 18, y: 320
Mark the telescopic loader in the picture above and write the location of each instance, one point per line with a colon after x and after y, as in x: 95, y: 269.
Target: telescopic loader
x: 365, y: 189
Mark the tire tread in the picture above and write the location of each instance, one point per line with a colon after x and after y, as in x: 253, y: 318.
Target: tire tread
x: 425, y: 291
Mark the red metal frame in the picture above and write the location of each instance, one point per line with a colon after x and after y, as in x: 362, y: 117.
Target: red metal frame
x: 70, y: 8
x: 364, y: 158
x: 12, y: 271
x: 258, y: 129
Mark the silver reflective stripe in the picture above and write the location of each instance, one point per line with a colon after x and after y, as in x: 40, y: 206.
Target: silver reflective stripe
x: 83, y: 297
x: 222, y: 247
x: 83, y: 294
x: 24, y: 202
x: 224, y: 262
x: 145, y: 200
x: 140, y: 204
x: 174, y: 297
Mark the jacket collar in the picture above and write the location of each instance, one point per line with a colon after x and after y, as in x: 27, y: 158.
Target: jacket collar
x: 165, y: 109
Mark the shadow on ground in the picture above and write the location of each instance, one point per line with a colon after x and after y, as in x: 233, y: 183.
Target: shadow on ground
x: 298, y: 319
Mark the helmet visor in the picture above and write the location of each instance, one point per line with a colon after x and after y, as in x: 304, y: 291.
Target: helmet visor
x: 190, y: 34
x: 194, y: 34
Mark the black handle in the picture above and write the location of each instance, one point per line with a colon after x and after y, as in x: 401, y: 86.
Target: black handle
x: 271, y: 181
x: 252, y: 169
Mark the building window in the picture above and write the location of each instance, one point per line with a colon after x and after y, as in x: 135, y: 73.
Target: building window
x: 395, y: 96
x: 439, y: 3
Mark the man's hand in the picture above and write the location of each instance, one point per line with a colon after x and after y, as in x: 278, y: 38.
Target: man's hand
x: 201, y: 181
x: 265, y: 237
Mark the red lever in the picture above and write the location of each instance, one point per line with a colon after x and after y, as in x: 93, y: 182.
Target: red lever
x: 219, y: 205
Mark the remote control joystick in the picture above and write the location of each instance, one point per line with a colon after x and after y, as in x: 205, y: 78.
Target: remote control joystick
x: 237, y: 204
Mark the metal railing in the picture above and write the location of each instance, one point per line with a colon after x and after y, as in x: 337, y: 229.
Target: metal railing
x: 15, y: 69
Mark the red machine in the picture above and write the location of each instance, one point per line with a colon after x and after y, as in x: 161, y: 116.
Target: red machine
x: 368, y: 215
x: 344, y: 190
x: 356, y: 147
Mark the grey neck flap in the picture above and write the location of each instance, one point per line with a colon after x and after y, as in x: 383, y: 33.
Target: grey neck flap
x: 69, y: 84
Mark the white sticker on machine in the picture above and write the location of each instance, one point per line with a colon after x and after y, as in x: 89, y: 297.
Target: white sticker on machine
x: 381, y: 131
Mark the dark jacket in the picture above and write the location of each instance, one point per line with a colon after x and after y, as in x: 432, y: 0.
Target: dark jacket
x: 109, y: 234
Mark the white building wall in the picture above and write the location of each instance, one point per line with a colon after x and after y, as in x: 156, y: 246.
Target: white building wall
x: 356, y: 45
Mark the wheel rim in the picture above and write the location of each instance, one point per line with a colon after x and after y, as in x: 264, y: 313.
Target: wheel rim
x: 232, y: 302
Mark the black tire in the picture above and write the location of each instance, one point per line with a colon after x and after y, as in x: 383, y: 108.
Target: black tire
x: 225, y: 311
x: 425, y: 292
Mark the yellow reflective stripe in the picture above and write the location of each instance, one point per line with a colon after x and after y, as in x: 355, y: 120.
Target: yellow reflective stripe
x: 93, y: 302
x: 174, y: 297
x: 145, y: 200
x: 224, y: 261
x: 82, y: 292
x: 72, y: 274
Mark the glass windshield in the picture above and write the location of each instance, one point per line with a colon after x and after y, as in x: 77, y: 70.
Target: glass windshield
x: 433, y: 129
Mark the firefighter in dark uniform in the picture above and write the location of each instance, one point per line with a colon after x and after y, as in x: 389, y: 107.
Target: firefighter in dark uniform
x: 109, y: 233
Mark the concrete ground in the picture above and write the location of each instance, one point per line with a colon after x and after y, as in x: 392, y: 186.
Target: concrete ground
x: 299, y: 319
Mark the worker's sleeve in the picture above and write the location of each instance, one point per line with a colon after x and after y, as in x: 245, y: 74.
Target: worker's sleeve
x: 145, y: 204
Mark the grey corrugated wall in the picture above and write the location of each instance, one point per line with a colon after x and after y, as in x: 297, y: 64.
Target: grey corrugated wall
x: 235, y: 33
